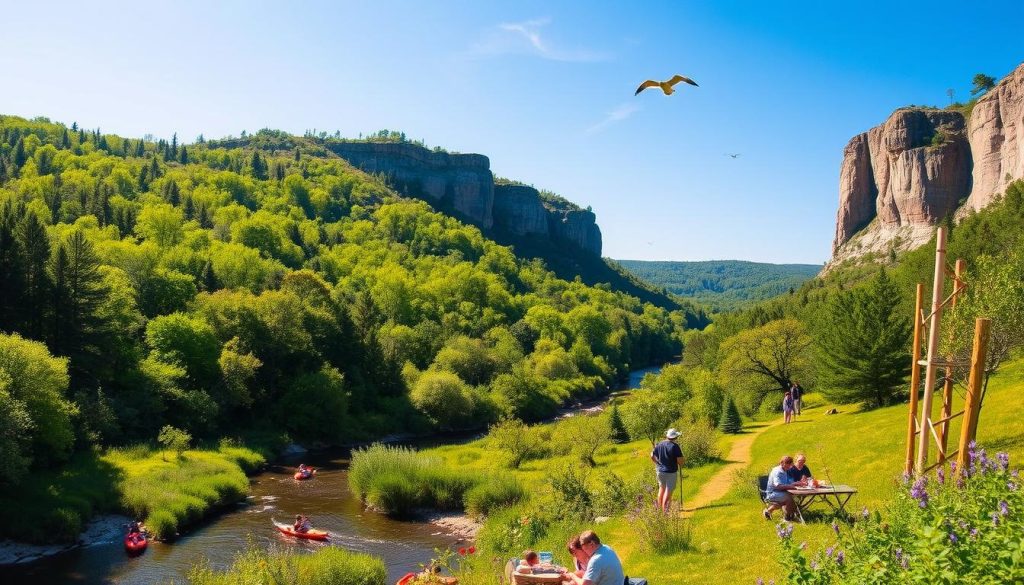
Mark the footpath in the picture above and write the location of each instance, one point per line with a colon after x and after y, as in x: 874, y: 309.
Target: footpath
x: 720, y: 483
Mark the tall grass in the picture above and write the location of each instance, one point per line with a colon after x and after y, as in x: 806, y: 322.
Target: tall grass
x: 256, y: 566
x: 398, y: 480
x: 172, y: 494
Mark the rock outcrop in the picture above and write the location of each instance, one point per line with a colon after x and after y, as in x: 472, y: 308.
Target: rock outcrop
x: 899, y: 179
x: 996, y: 135
x: 463, y: 184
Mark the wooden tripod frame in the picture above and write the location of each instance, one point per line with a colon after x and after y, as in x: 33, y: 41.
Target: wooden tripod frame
x: 922, y: 429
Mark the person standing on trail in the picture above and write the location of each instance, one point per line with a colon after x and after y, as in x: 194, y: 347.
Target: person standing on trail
x: 667, y: 458
x: 787, y: 407
x: 798, y: 395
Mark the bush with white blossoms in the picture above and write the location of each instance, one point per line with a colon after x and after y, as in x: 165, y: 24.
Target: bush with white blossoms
x: 948, y: 526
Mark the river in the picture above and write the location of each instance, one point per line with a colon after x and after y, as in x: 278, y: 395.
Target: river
x: 274, y: 493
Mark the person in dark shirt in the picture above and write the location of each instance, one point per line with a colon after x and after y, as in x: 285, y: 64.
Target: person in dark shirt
x: 667, y: 457
x: 799, y: 472
x: 797, y: 392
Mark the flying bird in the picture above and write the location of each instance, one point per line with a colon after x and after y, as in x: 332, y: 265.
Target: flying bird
x: 733, y: 155
x: 666, y: 86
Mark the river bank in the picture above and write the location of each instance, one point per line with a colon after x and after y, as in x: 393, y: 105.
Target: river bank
x: 102, y: 530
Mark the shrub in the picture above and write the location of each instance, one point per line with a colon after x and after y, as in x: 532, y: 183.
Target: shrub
x: 619, y: 434
x: 174, y: 439
x: 498, y: 491
x: 515, y: 440
x: 513, y: 530
x: 583, y: 435
x: 569, y: 496
x: 614, y: 495
x: 658, y: 532
x: 162, y: 524
x: 393, y: 494
x: 698, y: 444
x: 954, y: 525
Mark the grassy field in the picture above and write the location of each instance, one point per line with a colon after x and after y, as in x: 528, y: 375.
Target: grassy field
x: 866, y: 450
x: 168, y: 492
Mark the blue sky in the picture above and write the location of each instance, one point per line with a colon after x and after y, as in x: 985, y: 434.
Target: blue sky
x: 545, y: 89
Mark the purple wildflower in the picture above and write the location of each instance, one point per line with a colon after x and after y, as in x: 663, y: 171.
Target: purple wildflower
x: 898, y: 553
x: 905, y: 563
x: 835, y: 527
x: 814, y: 565
x: 784, y: 531
x: 918, y: 491
x: 974, y: 533
x: 760, y: 581
x: 995, y: 518
x: 1004, y: 459
x: 952, y: 468
x: 1004, y: 508
x: 952, y: 537
x: 839, y: 557
x: 829, y: 551
x: 1011, y: 486
x: 940, y: 474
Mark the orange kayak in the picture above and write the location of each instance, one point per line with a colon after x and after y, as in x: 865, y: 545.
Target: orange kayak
x: 135, y: 543
x: 309, y: 535
x: 301, y: 476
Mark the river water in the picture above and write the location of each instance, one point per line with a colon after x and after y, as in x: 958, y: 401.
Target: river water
x: 274, y: 493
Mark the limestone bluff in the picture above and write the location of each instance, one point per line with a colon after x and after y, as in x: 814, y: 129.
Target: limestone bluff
x: 901, y: 178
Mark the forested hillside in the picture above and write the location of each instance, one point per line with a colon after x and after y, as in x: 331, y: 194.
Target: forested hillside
x: 723, y: 285
x: 847, y: 333
x: 262, y: 282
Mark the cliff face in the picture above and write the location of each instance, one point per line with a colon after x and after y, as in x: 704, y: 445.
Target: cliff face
x: 463, y: 183
x: 899, y: 179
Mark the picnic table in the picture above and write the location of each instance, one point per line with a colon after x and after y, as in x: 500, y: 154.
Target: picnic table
x: 835, y: 496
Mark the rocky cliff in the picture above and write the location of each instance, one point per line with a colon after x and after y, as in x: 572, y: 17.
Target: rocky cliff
x: 899, y: 179
x: 463, y: 184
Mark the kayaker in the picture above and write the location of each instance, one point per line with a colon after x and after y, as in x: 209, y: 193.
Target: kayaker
x: 301, y: 523
x: 135, y: 527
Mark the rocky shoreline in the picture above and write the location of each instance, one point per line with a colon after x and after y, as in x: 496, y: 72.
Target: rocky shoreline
x: 101, y: 530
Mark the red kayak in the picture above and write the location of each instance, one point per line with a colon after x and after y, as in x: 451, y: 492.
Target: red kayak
x: 135, y: 543
x: 309, y: 535
x: 406, y: 579
x: 301, y: 476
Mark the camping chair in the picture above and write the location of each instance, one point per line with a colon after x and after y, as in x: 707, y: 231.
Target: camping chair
x: 762, y: 490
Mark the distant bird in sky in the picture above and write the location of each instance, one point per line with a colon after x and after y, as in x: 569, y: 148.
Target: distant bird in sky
x: 666, y: 86
x: 732, y: 155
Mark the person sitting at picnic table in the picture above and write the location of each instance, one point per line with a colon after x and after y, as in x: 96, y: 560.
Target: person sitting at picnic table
x: 779, y: 486
x: 530, y: 559
x: 799, y: 473
x: 579, y: 556
x: 603, y: 567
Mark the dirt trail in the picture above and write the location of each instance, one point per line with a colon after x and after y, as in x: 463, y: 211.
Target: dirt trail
x: 719, y: 484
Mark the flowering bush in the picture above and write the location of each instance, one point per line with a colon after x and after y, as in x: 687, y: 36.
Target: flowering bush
x: 950, y: 526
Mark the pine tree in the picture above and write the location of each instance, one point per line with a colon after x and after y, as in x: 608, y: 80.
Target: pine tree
x: 18, y: 157
x: 259, y: 166
x: 730, y: 422
x: 183, y: 155
x: 143, y: 178
x: 189, y: 208
x: 11, y: 267
x: 81, y: 136
x: 65, y: 140
x: 174, y: 194
x: 174, y: 146
x: 35, y: 248
x: 208, y: 280
x: 140, y: 148
x: 154, y: 169
x: 619, y: 433
x: 862, y: 344
x: 78, y: 292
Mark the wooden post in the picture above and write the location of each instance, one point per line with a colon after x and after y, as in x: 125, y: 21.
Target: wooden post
x: 933, y: 348
x: 972, y: 405
x: 915, y: 379
x: 947, y: 387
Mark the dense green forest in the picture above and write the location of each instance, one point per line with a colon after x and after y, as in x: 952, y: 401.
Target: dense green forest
x: 723, y: 285
x: 263, y: 283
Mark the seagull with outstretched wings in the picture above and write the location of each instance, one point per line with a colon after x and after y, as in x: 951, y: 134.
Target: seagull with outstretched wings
x: 736, y: 155
x: 666, y: 86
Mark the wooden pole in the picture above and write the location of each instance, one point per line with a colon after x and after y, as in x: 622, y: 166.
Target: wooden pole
x: 915, y: 379
x: 933, y: 348
x: 972, y: 405
x: 947, y: 387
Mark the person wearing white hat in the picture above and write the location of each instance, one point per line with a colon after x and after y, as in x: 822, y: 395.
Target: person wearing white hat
x: 667, y: 458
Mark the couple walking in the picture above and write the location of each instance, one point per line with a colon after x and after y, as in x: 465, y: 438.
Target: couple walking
x: 792, y: 401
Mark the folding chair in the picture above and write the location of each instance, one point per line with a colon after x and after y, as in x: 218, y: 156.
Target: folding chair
x: 762, y: 489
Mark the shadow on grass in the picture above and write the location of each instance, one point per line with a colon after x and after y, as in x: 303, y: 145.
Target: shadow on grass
x: 50, y: 506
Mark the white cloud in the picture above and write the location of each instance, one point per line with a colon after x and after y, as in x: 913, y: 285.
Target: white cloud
x: 525, y: 38
x: 620, y: 113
